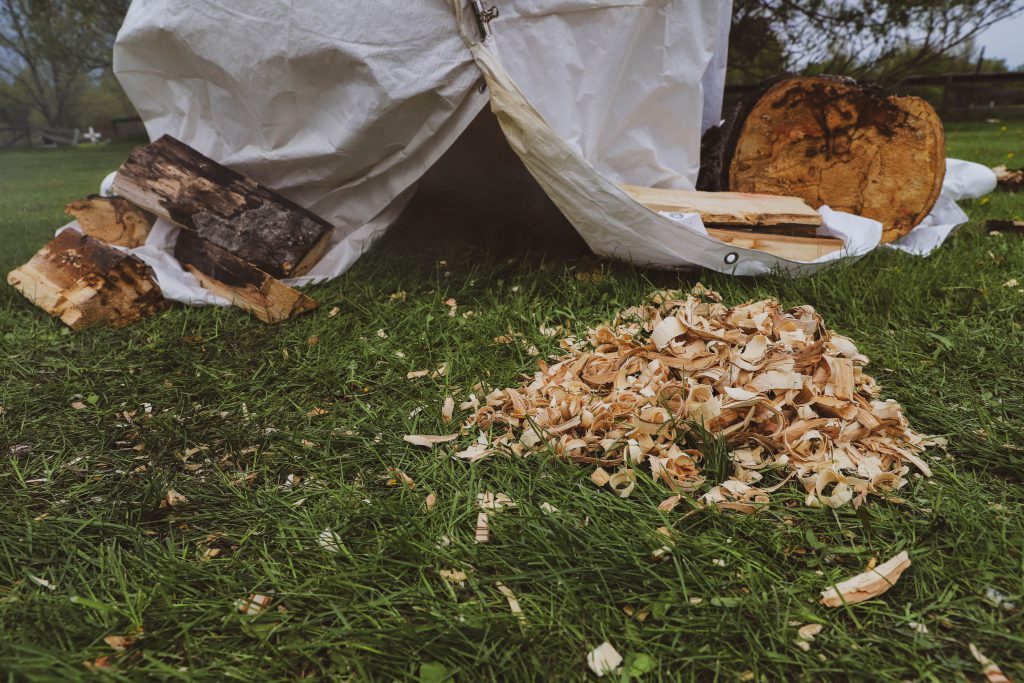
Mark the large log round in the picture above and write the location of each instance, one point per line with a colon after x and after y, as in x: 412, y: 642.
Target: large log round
x: 830, y: 141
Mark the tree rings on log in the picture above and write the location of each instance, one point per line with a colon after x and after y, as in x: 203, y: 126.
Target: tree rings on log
x: 85, y: 282
x: 830, y: 141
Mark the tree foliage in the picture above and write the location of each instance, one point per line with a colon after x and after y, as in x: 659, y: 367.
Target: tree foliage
x: 49, y: 47
x: 883, y: 40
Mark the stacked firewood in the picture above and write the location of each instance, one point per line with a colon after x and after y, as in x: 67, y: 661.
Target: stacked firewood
x: 238, y: 238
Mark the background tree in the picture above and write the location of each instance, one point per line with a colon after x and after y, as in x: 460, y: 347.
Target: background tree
x: 881, y: 40
x: 49, y: 51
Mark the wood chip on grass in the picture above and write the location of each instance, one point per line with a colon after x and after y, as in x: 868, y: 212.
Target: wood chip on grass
x: 870, y: 584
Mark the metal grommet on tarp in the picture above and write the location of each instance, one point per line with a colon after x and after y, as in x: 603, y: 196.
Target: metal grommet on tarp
x: 731, y: 258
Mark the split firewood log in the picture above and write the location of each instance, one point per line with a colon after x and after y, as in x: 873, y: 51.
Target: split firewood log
x: 85, y: 282
x: 831, y: 141
x: 224, y: 208
x: 245, y: 285
x: 112, y: 220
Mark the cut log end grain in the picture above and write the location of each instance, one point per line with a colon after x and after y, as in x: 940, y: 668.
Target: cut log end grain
x: 223, y: 207
x: 85, y: 282
x: 243, y: 284
x: 832, y: 142
x: 112, y: 220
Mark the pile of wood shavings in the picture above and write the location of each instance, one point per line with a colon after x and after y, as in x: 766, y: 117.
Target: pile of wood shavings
x: 789, y: 398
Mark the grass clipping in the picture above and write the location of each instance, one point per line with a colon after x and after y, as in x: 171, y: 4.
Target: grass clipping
x: 779, y: 395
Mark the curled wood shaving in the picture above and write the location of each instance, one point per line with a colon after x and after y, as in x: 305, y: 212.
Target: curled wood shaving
x: 483, y: 530
x: 788, y: 396
x: 122, y: 643
x: 992, y: 672
x: 401, y: 476
x: 430, y: 502
x: 868, y: 585
x: 456, y: 576
x: 448, y: 409
x: 429, y: 440
x: 330, y: 541
x: 604, y: 659
x: 513, y: 603
x: 494, y: 501
x: 254, y: 604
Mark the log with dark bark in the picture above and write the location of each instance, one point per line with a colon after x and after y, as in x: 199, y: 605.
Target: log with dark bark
x: 112, y: 220
x: 85, y: 282
x: 245, y: 285
x: 246, y: 219
x: 831, y: 141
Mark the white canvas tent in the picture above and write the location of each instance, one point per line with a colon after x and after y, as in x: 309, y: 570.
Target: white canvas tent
x: 343, y: 107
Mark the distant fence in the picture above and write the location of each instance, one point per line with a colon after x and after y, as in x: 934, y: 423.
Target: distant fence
x: 126, y: 128
x: 953, y: 95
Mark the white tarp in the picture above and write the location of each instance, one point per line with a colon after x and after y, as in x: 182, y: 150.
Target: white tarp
x: 343, y: 106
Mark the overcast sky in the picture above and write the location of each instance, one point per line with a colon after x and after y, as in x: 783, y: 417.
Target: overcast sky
x: 1005, y: 40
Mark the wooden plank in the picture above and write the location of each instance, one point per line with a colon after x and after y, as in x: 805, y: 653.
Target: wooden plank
x: 224, y: 208
x: 784, y: 246
x: 245, y: 285
x: 730, y: 209
x: 112, y: 220
x: 85, y: 282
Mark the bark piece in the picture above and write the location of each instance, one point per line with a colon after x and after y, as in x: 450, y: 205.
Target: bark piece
x: 244, y: 284
x: 1009, y: 179
x: 830, y: 141
x: 732, y: 209
x: 85, y: 282
x: 993, y: 227
x: 112, y: 220
x: 224, y: 208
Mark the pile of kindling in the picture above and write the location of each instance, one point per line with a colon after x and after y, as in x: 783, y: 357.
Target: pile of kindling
x: 789, y: 398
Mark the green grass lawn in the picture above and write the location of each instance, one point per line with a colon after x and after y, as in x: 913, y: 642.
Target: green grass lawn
x: 81, y: 509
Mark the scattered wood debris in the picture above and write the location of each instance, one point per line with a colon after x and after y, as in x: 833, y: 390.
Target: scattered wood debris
x: 604, y: 659
x: 1009, y: 179
x: 868, y: 585
x: 431, y: 501
x: 789, y: 397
